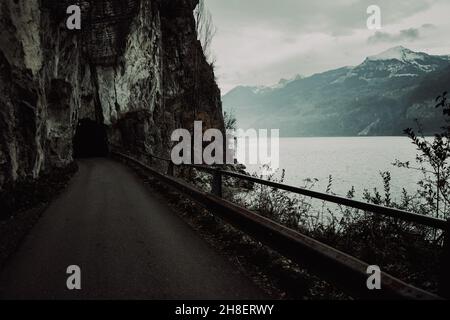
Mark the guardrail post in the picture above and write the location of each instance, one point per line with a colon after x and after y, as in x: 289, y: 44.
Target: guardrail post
x: 444, y: 281
x: 170, y: 169
x: 217, y: 183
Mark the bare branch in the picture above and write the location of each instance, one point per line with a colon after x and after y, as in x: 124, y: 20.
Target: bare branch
x: 205, y: 29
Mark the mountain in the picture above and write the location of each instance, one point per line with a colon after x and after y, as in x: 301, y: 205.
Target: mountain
x: 381, y: 96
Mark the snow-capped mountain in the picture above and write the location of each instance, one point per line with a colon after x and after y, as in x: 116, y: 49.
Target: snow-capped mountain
x: 396, y: 62
x: 380, y: 96
x: 400, y: 61
x: 266, y: 89
x: 399, y: 53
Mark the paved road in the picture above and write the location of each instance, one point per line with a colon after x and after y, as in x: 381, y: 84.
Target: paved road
x: 128, y: 243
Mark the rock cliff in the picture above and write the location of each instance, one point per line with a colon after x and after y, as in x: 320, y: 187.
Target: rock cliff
x: 136, y: 68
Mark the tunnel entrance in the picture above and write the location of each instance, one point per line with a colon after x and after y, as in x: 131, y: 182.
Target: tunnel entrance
x: 90, y: 140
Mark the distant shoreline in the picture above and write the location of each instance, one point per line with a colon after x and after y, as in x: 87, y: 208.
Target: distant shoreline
x: 377, y: 136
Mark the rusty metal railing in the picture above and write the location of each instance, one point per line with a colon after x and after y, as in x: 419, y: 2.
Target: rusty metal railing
x: 345, y: 271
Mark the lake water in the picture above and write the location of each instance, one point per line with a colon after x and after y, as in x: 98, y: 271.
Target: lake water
x: 352, y: 161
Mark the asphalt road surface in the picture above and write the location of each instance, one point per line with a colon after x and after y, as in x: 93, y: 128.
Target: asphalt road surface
x: 128, y: 243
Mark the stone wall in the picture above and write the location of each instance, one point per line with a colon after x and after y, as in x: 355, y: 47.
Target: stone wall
x: 159, y: 83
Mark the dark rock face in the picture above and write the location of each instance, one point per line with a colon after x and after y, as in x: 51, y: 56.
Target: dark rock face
x: 154, y: 79
x: 189, y: 91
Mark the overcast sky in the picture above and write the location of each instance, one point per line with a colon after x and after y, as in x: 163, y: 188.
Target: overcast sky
x: 259, y: 42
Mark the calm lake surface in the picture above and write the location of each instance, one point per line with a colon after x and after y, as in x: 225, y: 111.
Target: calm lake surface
x: 352, y: 161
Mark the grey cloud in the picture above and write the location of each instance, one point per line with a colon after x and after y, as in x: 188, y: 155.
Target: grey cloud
x: 407, y: 35
x: 411, y: 34
x: 428, y: 26
x: 334, y: 17
x: 261, y: 41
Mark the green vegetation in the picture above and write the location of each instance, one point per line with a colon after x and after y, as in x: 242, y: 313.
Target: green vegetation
x: 408, y: 251
x: 230, y: 120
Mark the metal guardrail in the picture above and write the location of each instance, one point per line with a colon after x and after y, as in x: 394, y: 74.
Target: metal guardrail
x: 347, y: 272
x: 377, y: 209
x: 407, y: 216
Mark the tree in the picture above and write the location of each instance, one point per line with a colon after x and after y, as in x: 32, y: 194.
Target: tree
x: 433, y: 161
x: 230, y: 120
x: 205, y: 29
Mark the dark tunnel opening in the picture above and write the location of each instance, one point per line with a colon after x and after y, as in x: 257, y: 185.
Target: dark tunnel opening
x: 90, y: 140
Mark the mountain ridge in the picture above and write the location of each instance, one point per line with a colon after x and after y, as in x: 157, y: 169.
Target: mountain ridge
x: 381, y: 96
